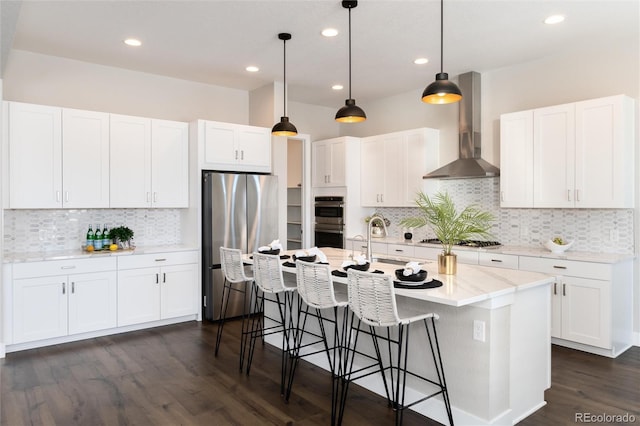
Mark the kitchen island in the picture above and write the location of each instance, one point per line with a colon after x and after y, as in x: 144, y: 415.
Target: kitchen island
x: 494, y: 332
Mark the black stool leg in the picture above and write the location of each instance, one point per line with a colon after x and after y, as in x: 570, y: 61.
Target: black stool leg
x: 439, y: 367
x: 257, y: 326
x: 226, y: 289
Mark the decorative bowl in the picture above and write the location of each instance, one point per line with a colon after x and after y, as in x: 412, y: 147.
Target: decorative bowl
x: 557, y: 248
x: 420, y: 276
x: 311, y: 258
x: 363, y: 267
x: 272, y: 251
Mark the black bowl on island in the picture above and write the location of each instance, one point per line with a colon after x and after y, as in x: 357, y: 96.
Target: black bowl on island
x: 311, y: 258
x: 272, y: 251
x: 420, y: 276
x: 363, y: 267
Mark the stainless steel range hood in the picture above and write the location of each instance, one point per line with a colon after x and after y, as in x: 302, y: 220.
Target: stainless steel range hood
x: 469, y: 164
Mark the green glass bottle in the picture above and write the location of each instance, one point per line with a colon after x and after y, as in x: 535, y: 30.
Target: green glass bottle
x: 90, y: 237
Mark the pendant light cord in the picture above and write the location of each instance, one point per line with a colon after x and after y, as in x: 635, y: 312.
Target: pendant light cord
x: 284, y: 85
x: 349, y: 53
x: 441, y: 36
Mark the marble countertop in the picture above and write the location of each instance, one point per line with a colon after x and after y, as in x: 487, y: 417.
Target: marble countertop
x: 82, y: 254
x: 582, y: 256
x: 471, y: 284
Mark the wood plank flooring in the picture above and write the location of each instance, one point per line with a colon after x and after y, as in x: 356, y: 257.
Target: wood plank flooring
x: 169, y: 376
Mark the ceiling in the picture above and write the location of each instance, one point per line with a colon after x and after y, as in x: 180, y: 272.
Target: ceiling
x: 213, y: 41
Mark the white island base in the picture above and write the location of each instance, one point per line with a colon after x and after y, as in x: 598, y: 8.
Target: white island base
x: 496, y: 381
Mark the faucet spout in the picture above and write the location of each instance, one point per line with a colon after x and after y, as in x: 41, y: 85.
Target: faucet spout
x: 375, y: 217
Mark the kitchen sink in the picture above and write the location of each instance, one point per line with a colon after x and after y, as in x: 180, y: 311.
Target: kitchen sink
x: 389, y: 261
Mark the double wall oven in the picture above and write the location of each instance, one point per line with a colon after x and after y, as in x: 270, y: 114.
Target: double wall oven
x: 329, y: 223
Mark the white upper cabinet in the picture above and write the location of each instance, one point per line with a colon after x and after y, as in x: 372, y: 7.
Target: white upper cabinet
x: 554, y: 156
x: 85, y: 159
x: 566, y: 156
x: 604, y: 165
x: 169, y: 163
x: 329, y: 163
x: 236, y: 147
x: 58, y: 158
x: 130, y: 175
x: 35, y: 156
x: 392, y: 166
x: 149, y: 162
x: 516, y: 159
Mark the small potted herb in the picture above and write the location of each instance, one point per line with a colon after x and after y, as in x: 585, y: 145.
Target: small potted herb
x: 121, y: 236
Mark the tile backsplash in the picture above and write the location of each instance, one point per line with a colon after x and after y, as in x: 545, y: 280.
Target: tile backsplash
x: 591, y: 229
x: 28, y: 231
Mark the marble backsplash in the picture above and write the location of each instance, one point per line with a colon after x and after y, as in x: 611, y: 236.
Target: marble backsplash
x: 27, y: 231
x: 591, y: 229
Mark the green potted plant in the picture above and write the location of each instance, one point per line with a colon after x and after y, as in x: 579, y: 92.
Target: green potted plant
x: 450, y: 227
x: 121, y: 236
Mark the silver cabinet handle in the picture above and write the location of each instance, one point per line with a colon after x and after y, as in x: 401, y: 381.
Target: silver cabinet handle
x: 73, y: 287
x: 64, y: 288
x: 242, y: 154
x: 236, y: 154
x: 68, y: 267
x: 157, y: 279
x: 400, y: 250
x: 577, y: 195
x: 568, y: 195
x: 164, y: 277
x: 58, y: 196
x: 148, y: 197
x: 564, y: 289
x: 66, y: 196
x: 161, y: 260
x: 555, y: 288
x: 496, y: 260
x: 382, y: 198
x: 559, y: 267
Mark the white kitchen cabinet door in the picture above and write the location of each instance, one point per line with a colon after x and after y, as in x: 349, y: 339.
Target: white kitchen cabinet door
x: 586, y: 311
x: 422, y: 155
x: 92, y: 301
x: 394, y: 170
x: 516, y: 159
x: 178, y: 290
x: 138, y: 296
x: 39, y: 308
x: 130, y: 167
x: 254, y: 147
x: 85, y: 159
x: 169, y: 164
x: 554, y: 156
x: 372, y: 176
x: 35, y: 156
x: 604, y: 153
x: 237, y: 147
x: 329, y: 163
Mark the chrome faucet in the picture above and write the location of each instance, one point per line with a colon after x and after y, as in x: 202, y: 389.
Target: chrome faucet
x: 379, y: 218
x: 353, y: 246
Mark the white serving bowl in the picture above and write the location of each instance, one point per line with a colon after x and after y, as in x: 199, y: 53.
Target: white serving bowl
x: 557, y: 248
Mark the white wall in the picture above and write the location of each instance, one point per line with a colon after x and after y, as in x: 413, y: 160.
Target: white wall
x: 262, y: 110
x: 41, y: 79
x: 317, y: 121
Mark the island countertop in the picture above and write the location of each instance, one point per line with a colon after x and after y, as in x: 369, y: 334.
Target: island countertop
x: 471, y: 284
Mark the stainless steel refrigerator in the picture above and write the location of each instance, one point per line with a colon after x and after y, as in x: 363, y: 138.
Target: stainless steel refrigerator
x: 240, y: 211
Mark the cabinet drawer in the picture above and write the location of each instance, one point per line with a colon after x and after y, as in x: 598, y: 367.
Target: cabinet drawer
x: 400, y: 250
x: 498, y: 260
x: 63, y: 267
x: 157, y: 259
x: 598, y: 271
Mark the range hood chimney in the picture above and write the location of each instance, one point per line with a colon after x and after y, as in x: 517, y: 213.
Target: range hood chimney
x: 469, y: 164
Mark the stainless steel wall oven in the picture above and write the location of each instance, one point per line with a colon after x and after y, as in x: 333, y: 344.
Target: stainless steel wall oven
x: 329, y: 223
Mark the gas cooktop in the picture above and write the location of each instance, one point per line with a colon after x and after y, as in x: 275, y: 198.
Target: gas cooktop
x: 466, y: 243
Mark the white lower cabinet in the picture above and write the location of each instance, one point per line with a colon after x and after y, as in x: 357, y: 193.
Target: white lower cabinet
x: 60, y: 298
x: 157, y: 286
x: 591, y: 303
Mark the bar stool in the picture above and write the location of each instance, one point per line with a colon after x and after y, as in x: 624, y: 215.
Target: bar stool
x: 234, y: 273
x: 268, y: 277
x: 372, y: 300
x: 316, y: 290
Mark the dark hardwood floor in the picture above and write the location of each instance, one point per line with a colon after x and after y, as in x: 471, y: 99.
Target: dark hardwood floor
x: 169, y: 376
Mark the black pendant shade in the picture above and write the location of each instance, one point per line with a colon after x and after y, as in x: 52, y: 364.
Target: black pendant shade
x: 350, y: 112
x: 284, y: 127
x: 441, y: 91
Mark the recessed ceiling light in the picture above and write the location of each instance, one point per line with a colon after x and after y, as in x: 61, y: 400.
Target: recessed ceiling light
x: 337, y: 87
x: 329, y: 32
x: 420, y: 61
x: 554, y: 19
x: 133, y: 42
x: 252, y: 68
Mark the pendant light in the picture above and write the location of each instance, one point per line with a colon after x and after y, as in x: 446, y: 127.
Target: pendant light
x: 284, y: 127
x: 441, y: 91
x: 350, y: 112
